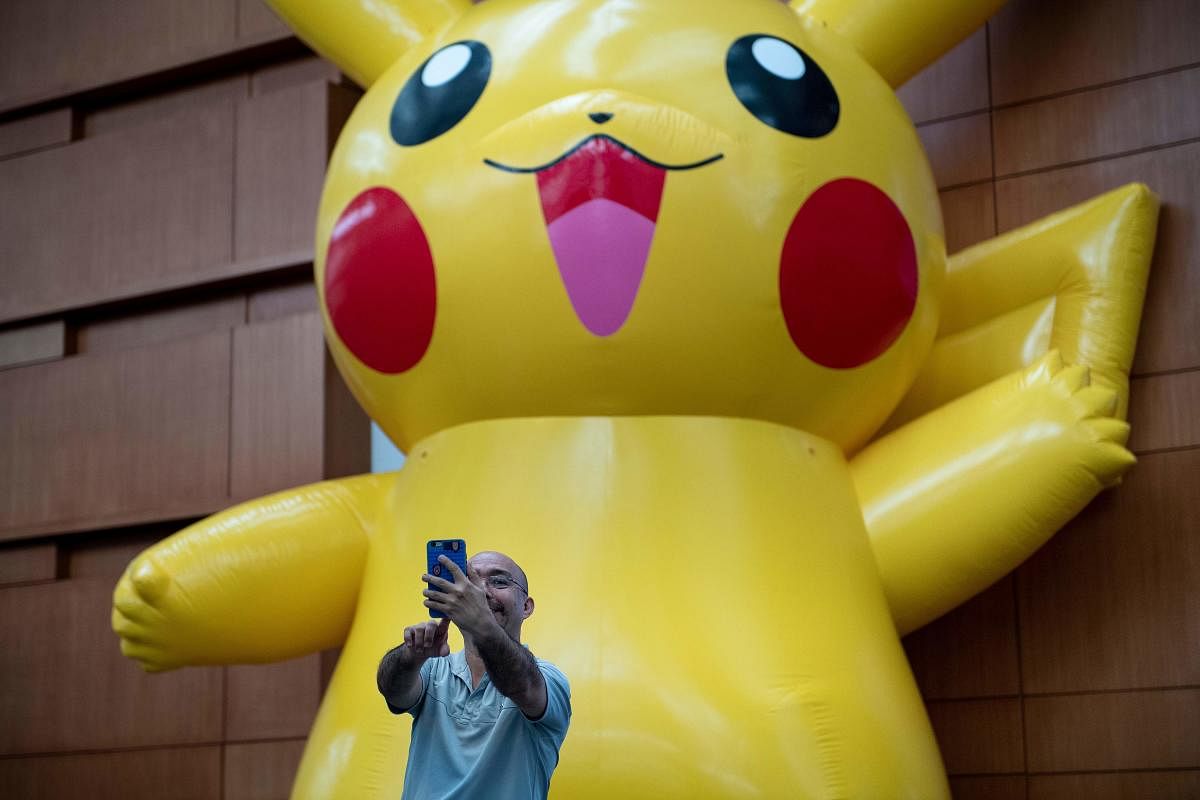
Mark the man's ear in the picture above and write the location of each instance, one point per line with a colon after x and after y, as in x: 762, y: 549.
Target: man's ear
x: 527, y: 609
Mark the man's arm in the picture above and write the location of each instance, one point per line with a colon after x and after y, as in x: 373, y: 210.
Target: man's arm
x: 513, y: 670
x: 399, y: 674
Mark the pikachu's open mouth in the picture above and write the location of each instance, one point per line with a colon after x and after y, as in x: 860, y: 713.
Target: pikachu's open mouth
x: 600, y: 201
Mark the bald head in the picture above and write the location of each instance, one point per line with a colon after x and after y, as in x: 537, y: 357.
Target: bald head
x: 489, y: 561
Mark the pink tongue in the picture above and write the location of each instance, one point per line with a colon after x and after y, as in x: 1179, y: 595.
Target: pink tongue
x: 601, y: 249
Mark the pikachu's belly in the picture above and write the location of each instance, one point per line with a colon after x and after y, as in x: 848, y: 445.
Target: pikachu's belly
x: 707, y: 586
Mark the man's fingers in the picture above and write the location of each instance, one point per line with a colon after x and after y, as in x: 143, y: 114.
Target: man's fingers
x: 443, y: 628
x: 436, y: 582
x: 454, y: 570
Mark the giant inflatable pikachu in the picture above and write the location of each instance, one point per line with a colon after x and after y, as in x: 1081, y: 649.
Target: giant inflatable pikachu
x: 654, y: 294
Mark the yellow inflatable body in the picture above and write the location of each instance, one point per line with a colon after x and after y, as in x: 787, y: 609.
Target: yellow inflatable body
x: 654, y: 293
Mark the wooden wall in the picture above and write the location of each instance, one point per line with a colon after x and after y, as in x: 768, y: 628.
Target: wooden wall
x: 1079, y: 675
x: 160, y: 358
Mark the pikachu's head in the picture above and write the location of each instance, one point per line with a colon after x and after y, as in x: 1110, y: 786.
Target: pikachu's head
x: 620, y: 207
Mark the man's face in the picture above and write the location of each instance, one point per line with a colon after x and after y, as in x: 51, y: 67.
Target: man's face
x: 511, y: 604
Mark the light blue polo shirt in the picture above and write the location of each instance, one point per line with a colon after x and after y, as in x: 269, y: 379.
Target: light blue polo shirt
x: 471, y: 745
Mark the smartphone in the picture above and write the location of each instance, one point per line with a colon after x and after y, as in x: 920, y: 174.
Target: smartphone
x: 453, y: 549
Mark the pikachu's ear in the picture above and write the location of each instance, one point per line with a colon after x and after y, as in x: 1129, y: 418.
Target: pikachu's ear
x: 365, y: 37
x: 899, y: 38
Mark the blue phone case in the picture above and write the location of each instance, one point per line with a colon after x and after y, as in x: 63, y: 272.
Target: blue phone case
x: 455, y: 550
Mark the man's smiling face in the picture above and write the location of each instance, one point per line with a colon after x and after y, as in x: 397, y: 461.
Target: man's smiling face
x: 510, y: 605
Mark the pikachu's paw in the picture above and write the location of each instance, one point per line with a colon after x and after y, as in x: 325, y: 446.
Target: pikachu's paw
x: 146, y: 615
x: 1066, y: 402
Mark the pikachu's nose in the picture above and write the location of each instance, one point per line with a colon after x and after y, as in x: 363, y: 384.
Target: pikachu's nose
x: 600, y: 117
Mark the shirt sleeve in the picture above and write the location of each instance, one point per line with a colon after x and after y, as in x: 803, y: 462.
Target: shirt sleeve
x: 415, y: 708
x: 557, y: 715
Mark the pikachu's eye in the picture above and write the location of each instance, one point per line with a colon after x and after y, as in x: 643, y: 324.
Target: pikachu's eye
x: 441, y: 92
x: 778, y: 83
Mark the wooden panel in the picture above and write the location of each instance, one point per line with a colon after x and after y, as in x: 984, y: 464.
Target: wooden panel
x: 955, y: 84
x: 970, y: 652
x: 163, y: 324
x: 278, y: 405
x: 1111, y: 601
x: 282, y: 145
x: 1040, y: 48
x: 105, y: 555
x: 292, y: 73
x: 217, y: 96
x: 30, y: 344
x: 147, y: 429
x: 1183, y: 785
x: 1168, y: 338
x: 1103, y: 122
x: 35, y: 132
x: 28, y: 563
x: 990, y: 787
x: 978, y: 736
x: 1121, y: 730
x: 959, y: 149
x: 347, y: 428
x: 102, y: 217
x: 263, y: 771
x: 183, y: 773
x: 64, y: 684
x: 58, y: 47
x: 282, y: 301
x: 255, y: 20
x: 272, y: 701
x: 1164, y: 411
x: 969, y: 214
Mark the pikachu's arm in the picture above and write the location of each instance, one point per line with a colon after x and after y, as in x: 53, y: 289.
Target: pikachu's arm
x: 266, y: 580
x: 1072, y: 282
x: 958, y: 498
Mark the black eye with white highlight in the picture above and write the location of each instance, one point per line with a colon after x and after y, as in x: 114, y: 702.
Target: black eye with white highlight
x: 441, y: 92
x: 782, y: 86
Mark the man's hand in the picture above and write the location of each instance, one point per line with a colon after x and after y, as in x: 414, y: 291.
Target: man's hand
x: 399, y: 674
x: 463, y: 603
x: 427, y: 640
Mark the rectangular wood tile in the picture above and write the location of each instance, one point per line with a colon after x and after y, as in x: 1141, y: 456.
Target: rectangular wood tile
x: 218, y: 96
x: 957, y: 83
x: 1040, y: 48
x: 95, y: 437
x: 298, y: 72
x: 64, y: 685
x: 1111, y: 602
x: 970, y: 652
x: 1164, y: 411
x: 1168, y: 338
x: 298, y: 297
x: 278, y: 405
x: 988, y: 787
x: 106, y: 554
x: 129, y: 210
x: 25, y: 563
x: 959, y: 150
x: 181, y: 773
x: 1144, y: 113
x: 30, y: 344
x: 161, y: 324
x: 256, y: 21
x: 35, y: 132
x: 1181, y: 785
x: 978, y: 736
x: 272, y: 701
x: 1114, y: 731
x: 969, y: 215
x: 261, y: 771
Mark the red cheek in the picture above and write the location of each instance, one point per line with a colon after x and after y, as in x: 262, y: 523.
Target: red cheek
x: 848, y: 274
x: 380, y: 287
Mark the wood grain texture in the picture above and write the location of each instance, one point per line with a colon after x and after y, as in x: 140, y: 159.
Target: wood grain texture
x: 1114, y: 731
x: 1040, y: 48
x: 957, y: 83
x: 272, y: 701
x: 959, y: 150
x: 1111, y: 601
x: 969, y: 215
x: 26, y: 563
x: 105, y: 554
x: 35, y: 132
x: 278, y: 405
x: 181, y: 773
x: 256, y: 21
x: 1101, y: 122
x: 1164, y: 411
x: 216, y: 95
x: 297, y: 297
x: 261, y: 771
x: 31, y: 344
x: 979, y: 736
x: 1182, y: 785
x: 95, y: 437
x: 161, y: 324
x: 988, y: 787
x: 947, y: 654
x: 64, y: 685
x: 1168, y: 338
x: 148, y: 204
x: 302, y: 71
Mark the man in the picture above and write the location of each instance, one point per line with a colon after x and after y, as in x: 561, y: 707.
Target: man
x: 487, y: 721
